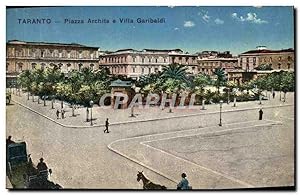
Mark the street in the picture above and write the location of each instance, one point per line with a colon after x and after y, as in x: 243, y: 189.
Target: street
x: 88, y: 158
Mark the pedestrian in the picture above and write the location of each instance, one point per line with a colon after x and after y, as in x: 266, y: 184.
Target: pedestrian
x: 41, y: 166
x: 57, y: 114
x: 273, y: 94
x: 184, y: 183
x: 9, y: 141
x: 260, y: 114
x: 106, y: 126
x: 62, y: 113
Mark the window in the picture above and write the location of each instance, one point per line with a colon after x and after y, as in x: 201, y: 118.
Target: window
x: 20, y: 67
x: 143, y: 70
x: 43, y: 53
x: 279, y: 58
x: 133, y: 69
x: 133, y: 59
x: 92, y: 55
x: 289, y: 66
x: 43, y: 66
x: 156, y: 69
x: 155, y: 60
x: 92, y: 66
x: 33, y: 66
x: 149, y: 69
x: 279, y: 66
x: 289, y: 58
x: 51, y: 53
x: 60, y: 65
x: 68, y: 67
x: 69, y: 54
x: 193, y: 68
x: 19, y: 52
x: 80, y: 54
x: 33, y: 53
x: 80, y: 67
x: 270, y: 59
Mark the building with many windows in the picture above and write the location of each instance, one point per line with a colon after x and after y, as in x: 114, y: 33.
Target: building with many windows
x: 133, y: 63
x: 21, y: 55
x: 208, y: 65
x: 262, y: 61
x: 275, y: 59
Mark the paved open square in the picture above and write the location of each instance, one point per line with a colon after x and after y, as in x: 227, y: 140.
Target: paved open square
x: 242, y: 153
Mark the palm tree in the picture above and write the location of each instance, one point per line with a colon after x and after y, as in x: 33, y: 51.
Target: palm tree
x: 221, y: 78
x: 175, y: 71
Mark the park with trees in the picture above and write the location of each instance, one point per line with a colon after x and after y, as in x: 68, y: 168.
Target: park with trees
x: 80, y: 87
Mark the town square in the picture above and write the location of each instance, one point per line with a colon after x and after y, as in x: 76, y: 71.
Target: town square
x: 82, y: 114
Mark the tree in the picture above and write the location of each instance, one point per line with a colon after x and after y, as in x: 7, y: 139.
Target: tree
x: 264, y: 67
x: 287, y: 83
x: 176, y: 72
x: 148, y: 79
x: 201, y: 81
x: 221, y: 78
x: 25, y: 79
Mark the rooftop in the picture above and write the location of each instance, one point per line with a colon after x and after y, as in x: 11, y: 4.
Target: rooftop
x: 259, y: 51
x: 18, y: 42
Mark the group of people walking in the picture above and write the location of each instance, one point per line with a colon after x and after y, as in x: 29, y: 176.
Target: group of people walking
x: 62, y: 112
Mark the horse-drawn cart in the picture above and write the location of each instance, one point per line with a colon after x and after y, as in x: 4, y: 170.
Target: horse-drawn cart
x: 22, y: 173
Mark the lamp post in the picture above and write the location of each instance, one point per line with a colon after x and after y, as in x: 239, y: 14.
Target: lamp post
x: 203, y: 104
x: 228, y: 96
x: 52, y: 101
x: 44, y: 97
x: 234, y: 101
x: 28, y: 95
x: 87, y: 114
x: 132, y: 111
x: 221, y: 102
x: 91, y: 103
x: 260, y: 97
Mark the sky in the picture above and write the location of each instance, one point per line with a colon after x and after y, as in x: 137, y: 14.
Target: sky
x: 192, y: 29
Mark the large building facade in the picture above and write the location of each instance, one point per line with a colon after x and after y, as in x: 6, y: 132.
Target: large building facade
x: 275, y: 59
x: 208, y: 65
x: 251, y: 63
x: 21, y: 55
x: 133, y: 63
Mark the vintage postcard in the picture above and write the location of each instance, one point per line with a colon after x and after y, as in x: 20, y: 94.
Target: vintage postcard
x: 150, y: 98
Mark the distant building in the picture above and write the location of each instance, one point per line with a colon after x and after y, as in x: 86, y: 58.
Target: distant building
x: 275, y: 59
x: 208, y: 61
x: 22, y: 55
x: 208, y: 65
x: 261, y: 61
x: 133, y: 63
x: 214, y: 54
